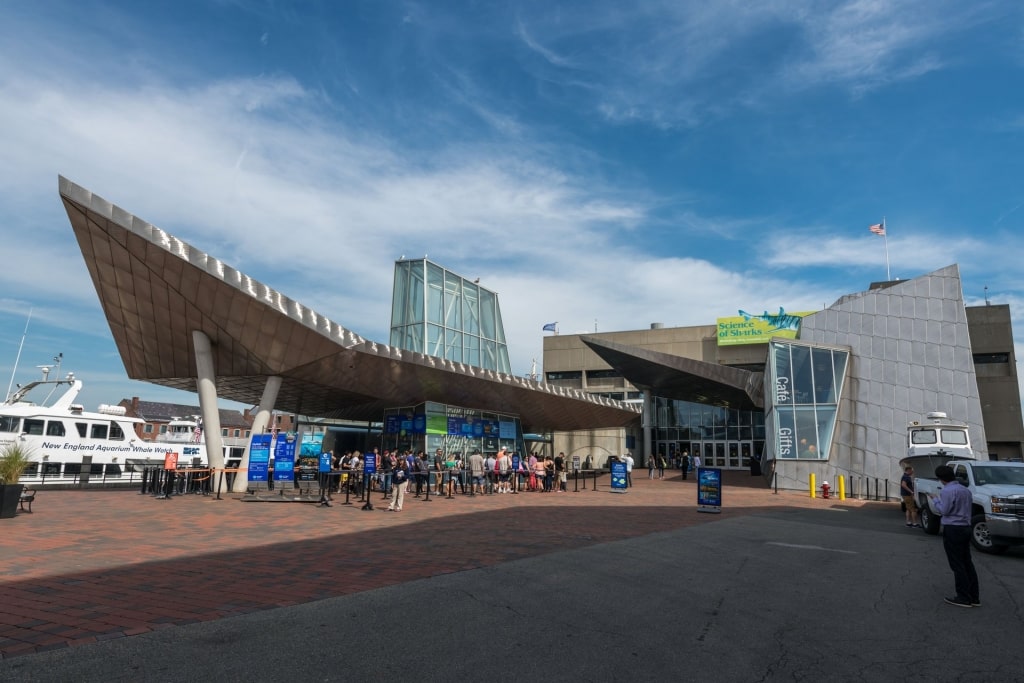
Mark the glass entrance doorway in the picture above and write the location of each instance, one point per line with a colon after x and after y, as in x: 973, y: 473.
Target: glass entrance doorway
x: 728, y: 455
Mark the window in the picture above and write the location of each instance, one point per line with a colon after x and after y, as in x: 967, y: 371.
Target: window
x: 33, y: 426
x: 82, y: 428
x: 10, y: 424
x: 955, y: 437
x: 603, y: 374
x: 147, y: 429
x: 573, y: 374
x: 923, y: 436
x: 237, y: 433
x: 99, y: 431
x: 987, y: 358
x: 163, y: 429
x: 55, y: 428
x: 116, y: 433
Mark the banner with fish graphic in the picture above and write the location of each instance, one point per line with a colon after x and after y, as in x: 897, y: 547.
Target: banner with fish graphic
x: 748, y: 328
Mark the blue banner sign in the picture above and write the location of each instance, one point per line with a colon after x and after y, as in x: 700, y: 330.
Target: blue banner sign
x: 325, y: 462
x: 709, y: 489
x: 618, y: 474
x: 259, y: 457
x: 284, y: 458
x: 369, y: 464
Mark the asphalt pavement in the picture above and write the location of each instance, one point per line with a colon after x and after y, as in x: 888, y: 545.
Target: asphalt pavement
x: 773, y: 592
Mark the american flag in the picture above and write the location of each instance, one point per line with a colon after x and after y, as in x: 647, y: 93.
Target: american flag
x: 197, y: 433
x: 877, y: 228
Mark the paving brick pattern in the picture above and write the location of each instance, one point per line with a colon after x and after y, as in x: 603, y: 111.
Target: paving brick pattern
x: 91, y: 565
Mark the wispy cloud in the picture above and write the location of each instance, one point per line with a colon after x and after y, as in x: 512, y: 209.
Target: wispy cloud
x: 674, y: 64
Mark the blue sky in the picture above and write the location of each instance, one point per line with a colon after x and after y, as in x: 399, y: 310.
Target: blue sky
x: 598, y: 165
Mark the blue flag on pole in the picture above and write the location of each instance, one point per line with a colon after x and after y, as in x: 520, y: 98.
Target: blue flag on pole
x: 550, y: 327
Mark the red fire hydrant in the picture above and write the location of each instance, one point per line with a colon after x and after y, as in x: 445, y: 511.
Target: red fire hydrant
x: 825, y: 488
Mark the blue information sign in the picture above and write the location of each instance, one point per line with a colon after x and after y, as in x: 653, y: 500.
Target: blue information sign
x: 370, y: 464
x: 618, y: 474
x: 284, y: 458
x: 709, y: 489
x: 259, y: 457
x: 325, y: 462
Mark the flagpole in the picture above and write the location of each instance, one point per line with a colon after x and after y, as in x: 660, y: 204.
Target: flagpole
x: 885, y: 240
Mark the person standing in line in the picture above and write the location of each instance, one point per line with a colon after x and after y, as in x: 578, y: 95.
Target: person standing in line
x: 489, y: 473
x: 476, y: 472
x: 650, y: 466
x: 549, y: 474
x: 909, y: 499
x: 696, y: 461
x: 954, y: 504
x: 422, y: 474
x: 560, y: 471
x: 684, y: 463
x: 536, y: 470
x: 661, y: 465
x: 504, y: 471
x: 629, y: 469
x: 399, y: 481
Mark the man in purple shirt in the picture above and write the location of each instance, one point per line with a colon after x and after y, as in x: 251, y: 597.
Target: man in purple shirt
x: 954, y: 504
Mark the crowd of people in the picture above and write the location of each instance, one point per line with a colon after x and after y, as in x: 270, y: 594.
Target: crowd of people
x: 396, y: 473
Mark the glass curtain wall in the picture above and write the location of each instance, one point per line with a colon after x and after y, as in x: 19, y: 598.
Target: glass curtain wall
x: 439, y: 313
x: 454, y: 429
x: 723, y: 437
x: 805, y: 383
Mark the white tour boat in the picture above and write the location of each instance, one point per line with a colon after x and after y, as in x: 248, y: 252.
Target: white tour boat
x: 70, y: 445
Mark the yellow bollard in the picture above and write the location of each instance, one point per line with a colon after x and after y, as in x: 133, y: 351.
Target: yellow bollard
x: 842, y: 487
x: 812, y: 485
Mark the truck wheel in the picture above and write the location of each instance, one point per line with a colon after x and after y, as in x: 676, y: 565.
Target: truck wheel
x: 980, y: 538
x: 929, y: 520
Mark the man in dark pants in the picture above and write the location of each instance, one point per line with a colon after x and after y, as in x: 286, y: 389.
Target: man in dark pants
x: 954, y: 504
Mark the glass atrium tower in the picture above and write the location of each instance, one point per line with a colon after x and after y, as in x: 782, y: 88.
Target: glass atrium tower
x: 440, y: 313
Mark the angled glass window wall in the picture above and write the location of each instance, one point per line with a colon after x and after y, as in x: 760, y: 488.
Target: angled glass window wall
x: 804, y: 385
x: 439, y: 313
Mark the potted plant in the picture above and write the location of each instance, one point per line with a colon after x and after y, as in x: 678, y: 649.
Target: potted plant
x: 14, y: 460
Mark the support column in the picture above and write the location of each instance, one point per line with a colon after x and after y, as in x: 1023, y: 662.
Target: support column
x: 259, y: 425
x: 206, y: 387
x: 648, y: 420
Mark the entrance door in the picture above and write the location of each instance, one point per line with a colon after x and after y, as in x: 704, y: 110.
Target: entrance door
x: 734, y: 454
x: 745, y: 451
x: 720, y: 454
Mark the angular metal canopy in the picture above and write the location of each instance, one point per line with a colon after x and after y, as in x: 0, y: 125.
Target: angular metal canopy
x: 155, y: 290
x: 684, y: 379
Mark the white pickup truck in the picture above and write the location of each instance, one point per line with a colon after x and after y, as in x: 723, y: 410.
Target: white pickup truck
x: 997, y: 487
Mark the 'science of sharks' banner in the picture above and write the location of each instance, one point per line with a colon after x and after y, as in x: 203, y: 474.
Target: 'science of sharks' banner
x: 747, y: 328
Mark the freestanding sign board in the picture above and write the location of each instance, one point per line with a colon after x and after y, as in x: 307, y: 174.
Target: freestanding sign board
x: 284, y: 458
x: 575, y: 463
x: 259, y: 457
x: 618, y: 473
x: 170, y: 460
x: 709, y: 489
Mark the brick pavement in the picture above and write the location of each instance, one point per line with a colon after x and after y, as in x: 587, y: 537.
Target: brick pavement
x: 91, y: 565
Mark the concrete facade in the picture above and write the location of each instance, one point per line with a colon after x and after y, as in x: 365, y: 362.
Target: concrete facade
x: 914, y: 348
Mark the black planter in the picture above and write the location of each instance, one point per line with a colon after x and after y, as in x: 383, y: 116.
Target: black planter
x: 10, y: 495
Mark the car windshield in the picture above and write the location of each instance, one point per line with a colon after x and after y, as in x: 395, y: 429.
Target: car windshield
x: 984, y: 474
